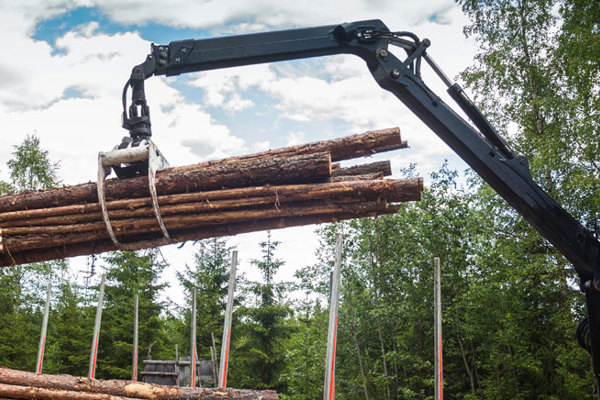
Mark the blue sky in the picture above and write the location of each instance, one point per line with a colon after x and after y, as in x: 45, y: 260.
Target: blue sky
x: 65, y: 63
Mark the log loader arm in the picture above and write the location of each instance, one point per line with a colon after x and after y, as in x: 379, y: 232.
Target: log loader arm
x: 479, y: 144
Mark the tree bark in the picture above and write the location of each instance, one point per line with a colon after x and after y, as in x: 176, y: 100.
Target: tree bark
x: 344, y: 148
x: 378, y: 277
x: 368, y: 177
x: 70, y: 234
x: 145, y: 241
x: 210, y: 199
x: 380, y: 166
x: 324, y: 201
x: 275, y: 170
x: 213, y: 174
x: 466, y: 364
x: 392, y: 190
x: 356, y: 343
x: 27, y: 385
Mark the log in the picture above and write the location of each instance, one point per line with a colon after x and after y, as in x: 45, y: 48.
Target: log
x: 274, y: 170
x: 31, y: 215
x: 69, y: 234
x: 384, y: 167
x: 100, y: 246
x: 344, y: 148
x: 19, y: 384
x: 34, y: 393
x: 367, y: 189
x: 364, y: 144
x: 367, y: 177
x: 194, y: 203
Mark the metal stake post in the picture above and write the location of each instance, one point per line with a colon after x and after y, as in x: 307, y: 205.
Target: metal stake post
x: 135, y: 340
x: 227, y: 325
x: 329, y: 393
x: 96, y: 337
x: 215, y: 361
x: 40, y: 357
x: 437, y: 289
x: 193, y: 342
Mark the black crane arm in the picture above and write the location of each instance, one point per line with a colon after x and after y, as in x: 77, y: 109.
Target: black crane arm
x: 479, y: 145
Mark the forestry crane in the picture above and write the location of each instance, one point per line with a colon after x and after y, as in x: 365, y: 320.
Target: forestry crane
x: 478, y: 144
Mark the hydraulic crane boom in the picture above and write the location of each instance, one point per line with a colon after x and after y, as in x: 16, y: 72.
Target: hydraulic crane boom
x: 480, y: 146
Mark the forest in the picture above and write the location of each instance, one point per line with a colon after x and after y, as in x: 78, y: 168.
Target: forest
x: 511, y: 302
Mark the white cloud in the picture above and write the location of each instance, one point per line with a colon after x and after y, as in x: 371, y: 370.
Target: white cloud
x: 75, y: 129
x: 257, y: 14
x: 295, y: 138
x: 341, y: 87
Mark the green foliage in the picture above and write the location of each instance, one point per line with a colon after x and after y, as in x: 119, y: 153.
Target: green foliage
x: 261, y: 340
x: 23, y: 288
x: 304, y: 371
x: 5, y: 188
x: 210, y: 276
x: 130, y: 274
x: 69, y: 332
x: 30, y: 167
x: 537, y: 72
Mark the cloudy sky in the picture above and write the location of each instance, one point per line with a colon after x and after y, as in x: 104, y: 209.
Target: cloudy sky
x: 64, y: 64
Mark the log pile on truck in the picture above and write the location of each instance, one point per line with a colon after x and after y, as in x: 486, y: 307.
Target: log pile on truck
x: 291, y: 186
x: 27, y: 385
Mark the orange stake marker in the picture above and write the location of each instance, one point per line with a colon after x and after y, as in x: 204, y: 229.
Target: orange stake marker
x: 437, y: 294
x: 40, y: 357
x: 227, y: 325
x: 329, y: 392
x: 193, y: 342
x: 96, y: 336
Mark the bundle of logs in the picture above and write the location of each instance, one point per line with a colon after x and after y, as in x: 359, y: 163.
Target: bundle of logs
x: 26, y: 385
x: 291, y: 186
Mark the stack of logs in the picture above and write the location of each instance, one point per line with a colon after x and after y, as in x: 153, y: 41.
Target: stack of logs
x: 27, y: 385
x: 291, y: 186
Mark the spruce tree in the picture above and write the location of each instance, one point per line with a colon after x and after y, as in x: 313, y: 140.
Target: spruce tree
x: 69, y: 332
x: 261, y: 344
x: 129, y: 274
x: 210, y: 276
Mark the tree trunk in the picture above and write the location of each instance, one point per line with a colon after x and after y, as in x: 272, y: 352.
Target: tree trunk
x: 191, y: 221
x: 267, y: 190
x: 466, y: 364
x: 392, y: 190
x: 145, y: 241
x: 380, y: 166
x: 215, y: 174
x: 344, y: 148
x: 357, y: 344
x: 27, y: 385
x: 275, y: 170
x: 124, y: 229
x: 377, y: 281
